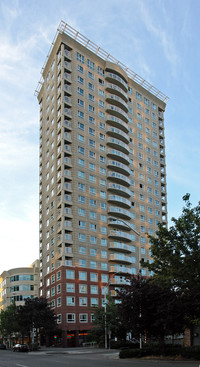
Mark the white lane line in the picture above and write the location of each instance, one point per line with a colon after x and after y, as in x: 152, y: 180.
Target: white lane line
x: 21, y: 365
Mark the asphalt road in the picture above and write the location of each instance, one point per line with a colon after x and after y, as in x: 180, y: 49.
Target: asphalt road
x: 81, y: 358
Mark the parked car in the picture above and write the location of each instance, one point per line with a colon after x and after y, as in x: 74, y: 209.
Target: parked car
x: 2, y: 346
x: 20, y: 348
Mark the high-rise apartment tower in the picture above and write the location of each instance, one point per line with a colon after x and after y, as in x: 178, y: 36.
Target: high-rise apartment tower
x: 102, y: 177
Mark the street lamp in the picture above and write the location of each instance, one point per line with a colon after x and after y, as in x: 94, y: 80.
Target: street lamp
x: 105, y: 308
x: 139, y: 265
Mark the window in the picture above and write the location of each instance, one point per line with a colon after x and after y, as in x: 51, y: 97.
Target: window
x: 82, y: 237
x: 102, y: 182
x: 70, y: 274
x: 82, y: 288
x: 93, y: 239
x: 81, y: 212
x: 100, y: 70
x: 80, y: 102
x: 70, y: 287
x: 104, y: 266
x: 104, y: 278
x: 94, y: 302
x: 82, y: 262
x: 81, y: 138
x: 81, y: 91
x: 101, y: 114
x: 81, y: 186
x: 92, y: 154
x: 102, y: 171
x: 93, y: 264
x: 91, y: 166
x: 94, y: 289
x: 80, y: 57
x: 101, y: 103
x: 102, y: 159
x: 59, y: 319
x: 93, y: 252
x: 101, y: 92
x: 92, y: 215
x: 80, y: 126
x: 93, y: 277
x: 59, y: 302
x: 81, y: 174
x: 82, y: 301
x: 71, y: 317
x: 90, y: 64
x: 93, y: 227
x: 153, y: 106
x: 91, y: 97
x: 138, y: 96
x: 82, y: 275
x: 83, y: 317
x: 91, y: 120
x: 103, y: 242
x: 80, y: 79
x: 102, y: 125
x: 81, y: 199
x: 81, y: 114
x: 91, y: 131
x: 102, y: 148
x: 102, y: 136
x: 91, y: 86
x: 82, y: 250
x: 103, y: 206
x: 91, y: 108
x: 92, y: 178
x: 104, y: 254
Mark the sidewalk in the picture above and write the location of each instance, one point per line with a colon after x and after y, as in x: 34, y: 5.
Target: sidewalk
x: 75, y: 350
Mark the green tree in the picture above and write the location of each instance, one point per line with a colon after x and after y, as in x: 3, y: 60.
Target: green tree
x: 151, y: 310
x: 36, y: 313
x: 176, y: 258
x: 8, y: 321
x: 109, y: 320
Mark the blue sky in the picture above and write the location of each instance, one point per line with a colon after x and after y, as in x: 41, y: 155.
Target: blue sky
x: 158, y: 39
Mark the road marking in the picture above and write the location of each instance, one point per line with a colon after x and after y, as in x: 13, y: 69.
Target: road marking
x: 21, y: 365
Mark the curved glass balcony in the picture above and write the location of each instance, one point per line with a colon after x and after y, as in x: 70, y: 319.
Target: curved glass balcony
x: 117, y: 101
x: 116, y: 79
x: 117, y: 111
x: 119, y: 212
x: 119, y: 224
x: 115, y: 176
x: 119, y: 200
x: 119, y: 189
x: 67, y: 77
x: 119, y: 167
x: 120, y: 235
x: 116, y: 154
x: 119, y: 246
x: 120, y: 269
x: 68, y: 66
x: 118, y: 144
x: 113, y: 88
x: 118, y: 133
x: 120, y: 258
x: 117, y: 122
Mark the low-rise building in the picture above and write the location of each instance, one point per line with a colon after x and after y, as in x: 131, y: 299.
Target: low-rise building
x: 18, y: 284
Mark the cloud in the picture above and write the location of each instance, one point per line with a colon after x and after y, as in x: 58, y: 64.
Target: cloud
x: 162, y: 31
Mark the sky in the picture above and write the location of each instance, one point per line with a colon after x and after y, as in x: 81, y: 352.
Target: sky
x: 157, y: 39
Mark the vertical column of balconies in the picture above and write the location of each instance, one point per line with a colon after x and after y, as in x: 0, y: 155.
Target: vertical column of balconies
x: 119, y: 194
x: 162, y: 167
x: 64, y: 162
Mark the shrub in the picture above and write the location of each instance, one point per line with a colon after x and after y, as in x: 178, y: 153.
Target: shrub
x: 168, y: 350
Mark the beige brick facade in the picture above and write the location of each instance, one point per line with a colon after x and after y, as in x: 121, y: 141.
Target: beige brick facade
x: 102, y: 175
